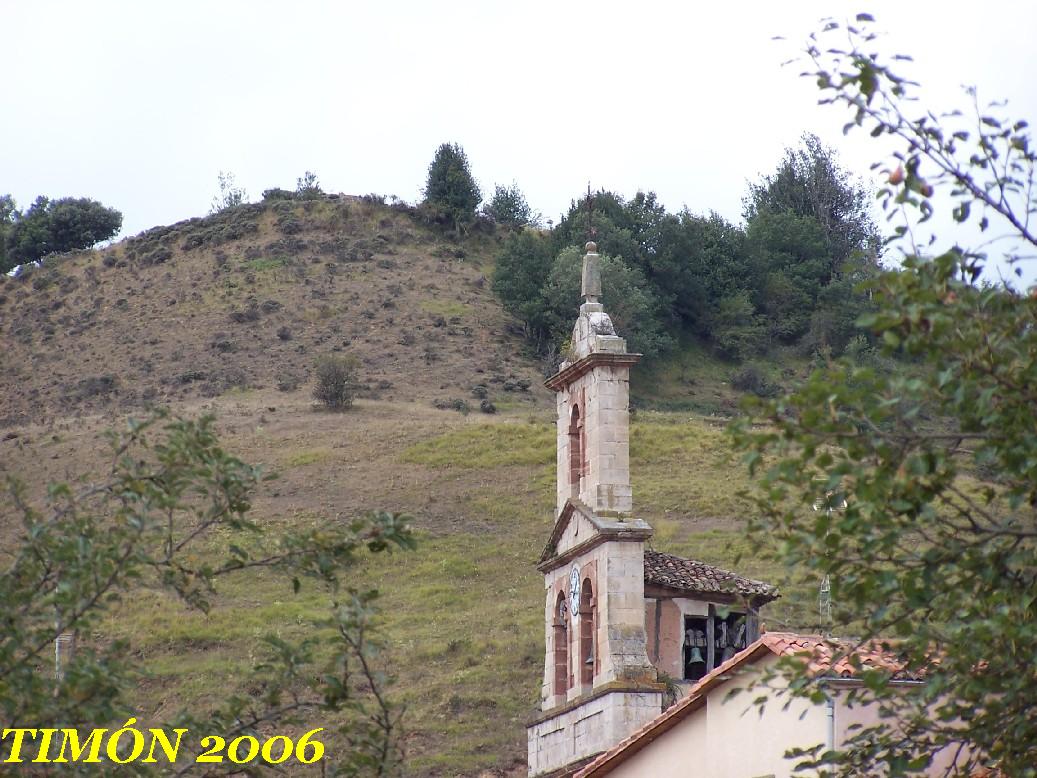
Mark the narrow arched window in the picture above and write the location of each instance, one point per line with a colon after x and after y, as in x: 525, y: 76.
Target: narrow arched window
x: 575, y: 450
x: 588, y: 653
x: 561, y: 645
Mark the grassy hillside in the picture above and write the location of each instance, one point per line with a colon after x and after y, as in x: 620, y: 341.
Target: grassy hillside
x: 190, y: 315
x: 248, y: 299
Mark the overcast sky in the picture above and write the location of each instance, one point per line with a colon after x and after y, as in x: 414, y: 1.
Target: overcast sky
x: 141, y: 104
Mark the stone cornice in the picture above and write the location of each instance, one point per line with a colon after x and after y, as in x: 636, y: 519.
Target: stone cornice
x: 567, y: 375
x: 606, y: 527
x: 632, y: 534
x: 612, y: 687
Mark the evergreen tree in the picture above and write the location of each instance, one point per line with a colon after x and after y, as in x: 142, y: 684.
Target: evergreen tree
x: 790, y: 259
x: 621, y: 229
x: 700, y: 260
x: 451, y: 189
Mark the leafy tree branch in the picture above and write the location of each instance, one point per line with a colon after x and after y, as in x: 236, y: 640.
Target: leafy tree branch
x: 935, y: 549
x: 172, y: 498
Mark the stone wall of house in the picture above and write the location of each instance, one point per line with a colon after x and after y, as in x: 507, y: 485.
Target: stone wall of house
x: 589, y: 728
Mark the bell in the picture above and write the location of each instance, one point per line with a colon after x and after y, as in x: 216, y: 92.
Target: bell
x: 590, y: 660
x: 696, y: 656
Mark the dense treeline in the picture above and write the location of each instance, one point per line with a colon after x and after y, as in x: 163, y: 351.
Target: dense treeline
x: 789, y: 276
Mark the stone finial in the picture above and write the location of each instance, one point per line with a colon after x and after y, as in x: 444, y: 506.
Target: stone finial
x: 591, y: 286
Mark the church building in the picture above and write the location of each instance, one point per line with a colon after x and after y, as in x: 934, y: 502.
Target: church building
x: 617, y: 616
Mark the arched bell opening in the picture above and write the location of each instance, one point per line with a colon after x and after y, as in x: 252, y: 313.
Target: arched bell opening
x: 588, y: 622
x: 561, y: 646
x: 576, y: 450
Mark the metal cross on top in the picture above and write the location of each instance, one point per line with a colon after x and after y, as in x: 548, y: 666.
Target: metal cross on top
x: 591, y: 232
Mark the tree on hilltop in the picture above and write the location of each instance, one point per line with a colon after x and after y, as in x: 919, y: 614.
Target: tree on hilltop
x: 55, y: 226
x: 810, y: 183
x: 809, y: 226
x: 8, y: 209
x: 627, y: 296
x: 508, y: 207
x: 451, y: 188
x: 523, y: 264
x: 307, y: 187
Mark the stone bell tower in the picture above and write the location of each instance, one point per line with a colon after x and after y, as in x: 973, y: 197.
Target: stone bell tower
x: 598, y: 685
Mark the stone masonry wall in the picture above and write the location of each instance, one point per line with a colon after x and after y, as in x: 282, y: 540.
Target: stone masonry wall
x: 603, y: 395
x: 589, y: 729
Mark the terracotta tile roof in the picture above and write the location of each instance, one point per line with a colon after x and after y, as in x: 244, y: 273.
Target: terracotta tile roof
x: 819, y: 651
x: 847, y: 656
x: 679, y: 573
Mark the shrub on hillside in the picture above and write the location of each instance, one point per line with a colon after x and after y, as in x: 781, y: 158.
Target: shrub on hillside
x: 277, y: 193
x: 307, y: 187
x: 453, y: 404
x: 752, y: 379
x: 95, y: 386
x: 249, y: 313
x: 287, y: 382
x: 231, y: 195
x: 336, y: 382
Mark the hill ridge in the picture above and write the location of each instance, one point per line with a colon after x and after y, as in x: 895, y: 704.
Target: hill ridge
x: 249, y: 298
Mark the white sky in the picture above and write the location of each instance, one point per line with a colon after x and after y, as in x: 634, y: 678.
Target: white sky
x: 141, y: 104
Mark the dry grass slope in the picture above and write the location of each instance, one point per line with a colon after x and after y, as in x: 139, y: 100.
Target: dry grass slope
x: 249, y: 299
